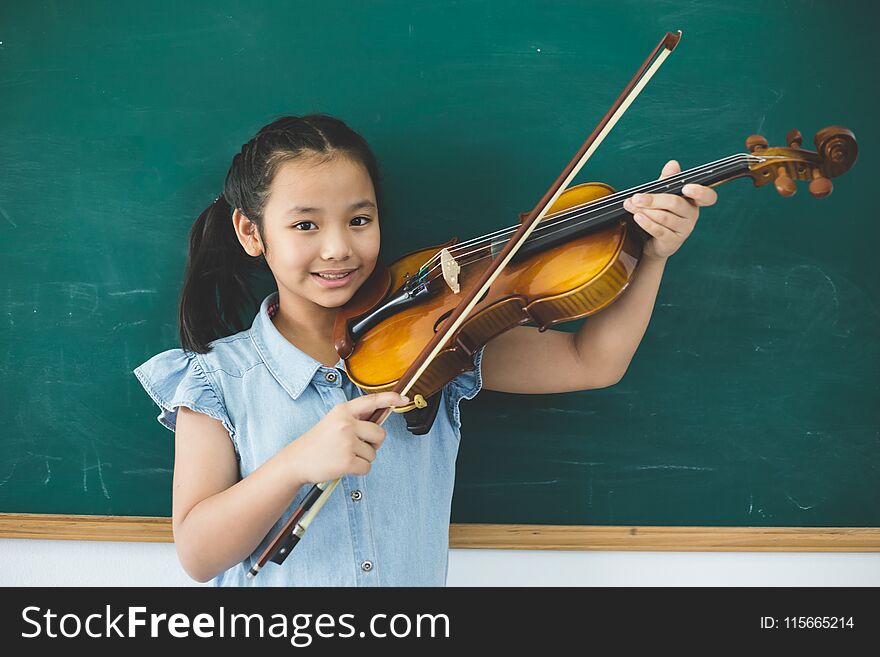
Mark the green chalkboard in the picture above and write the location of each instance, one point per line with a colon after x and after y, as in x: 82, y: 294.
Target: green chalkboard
x: 753, y: 399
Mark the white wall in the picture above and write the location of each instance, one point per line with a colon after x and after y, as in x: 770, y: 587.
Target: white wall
x: 102, y: 563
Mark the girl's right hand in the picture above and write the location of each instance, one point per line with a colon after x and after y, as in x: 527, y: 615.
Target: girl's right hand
x: 344, y: 441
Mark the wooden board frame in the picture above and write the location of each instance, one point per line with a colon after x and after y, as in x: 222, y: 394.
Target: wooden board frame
x: 499, y: 537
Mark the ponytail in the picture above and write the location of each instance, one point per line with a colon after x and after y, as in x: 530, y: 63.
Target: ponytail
x: 216, y: 298
x: 216, y: 279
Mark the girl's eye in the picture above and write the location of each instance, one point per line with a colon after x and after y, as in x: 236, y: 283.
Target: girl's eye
x: 366, y: 219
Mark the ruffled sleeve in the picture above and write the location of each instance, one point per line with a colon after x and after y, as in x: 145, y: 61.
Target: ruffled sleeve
x: 175, y: 378
x: 465, y: 386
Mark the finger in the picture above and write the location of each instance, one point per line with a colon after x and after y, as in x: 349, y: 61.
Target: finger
x: 365, y: 405
x: 369, y: 432
x: 670, y: 168
x: 669, y: 202
x: 365, y: 451
x: 700, y: 195
x: 653, y: 228
x: 676, y: 224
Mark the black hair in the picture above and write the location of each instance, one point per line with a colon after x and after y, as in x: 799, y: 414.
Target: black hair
x: 216, y: 294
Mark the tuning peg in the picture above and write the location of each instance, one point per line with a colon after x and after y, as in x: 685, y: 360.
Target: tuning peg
x: 784, y: 185
x: 820, y: 186
x: 756, y: 143
x: 794, y: 139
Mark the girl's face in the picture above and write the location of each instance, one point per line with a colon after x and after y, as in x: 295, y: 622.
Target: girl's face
x: 321, y: 218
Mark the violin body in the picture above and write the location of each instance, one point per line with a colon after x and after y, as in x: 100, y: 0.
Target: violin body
x: 564, y: 282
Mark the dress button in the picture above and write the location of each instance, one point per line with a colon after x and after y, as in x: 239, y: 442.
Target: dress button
x: 356, y: 495
x: 367, y: 566
x: 330, y: 376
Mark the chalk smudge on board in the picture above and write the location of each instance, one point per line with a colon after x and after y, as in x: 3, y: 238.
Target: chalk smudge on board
x: 127, y: 292
x: 798, y: 504
x: 779, y: 94
x: 9, y: 476
x: 142, y: 321
x: 8, y: 218
x: 146, y: 471
x: 670, y: 467
x: 101, y: 474
x: 490, y: 484
x: 100, y: 469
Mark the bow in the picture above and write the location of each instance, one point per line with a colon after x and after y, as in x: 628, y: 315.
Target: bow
x: 299, y: 522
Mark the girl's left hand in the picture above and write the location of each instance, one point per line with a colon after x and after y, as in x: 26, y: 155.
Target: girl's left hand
x: 669, y: 218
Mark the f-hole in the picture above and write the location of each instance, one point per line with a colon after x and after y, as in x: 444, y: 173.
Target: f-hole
x: 441, y: 319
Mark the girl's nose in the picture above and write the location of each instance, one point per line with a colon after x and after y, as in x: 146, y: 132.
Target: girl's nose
x: 336, y: 246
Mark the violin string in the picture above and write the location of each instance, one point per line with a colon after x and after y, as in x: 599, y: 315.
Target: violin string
x: 567, y: 217
x: 597, y: 204
x: 570, y: 222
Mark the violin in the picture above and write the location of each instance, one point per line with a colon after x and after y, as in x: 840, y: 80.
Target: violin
x: 579, y: 259
x: 413, y: 326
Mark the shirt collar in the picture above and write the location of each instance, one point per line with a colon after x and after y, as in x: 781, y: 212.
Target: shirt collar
x: 292, y: 368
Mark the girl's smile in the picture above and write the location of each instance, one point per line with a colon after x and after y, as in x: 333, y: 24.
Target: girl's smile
x: 340, y: 279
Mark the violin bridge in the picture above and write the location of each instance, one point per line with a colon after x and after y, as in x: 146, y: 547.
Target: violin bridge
x: 450, y: 270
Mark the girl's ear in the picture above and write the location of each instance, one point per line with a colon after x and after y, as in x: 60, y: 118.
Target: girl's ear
x: 247, y: 233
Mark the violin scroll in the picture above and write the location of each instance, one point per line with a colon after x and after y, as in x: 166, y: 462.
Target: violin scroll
x: 836, y: 152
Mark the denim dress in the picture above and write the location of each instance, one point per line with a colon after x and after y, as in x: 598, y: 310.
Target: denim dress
x: 388, y: 528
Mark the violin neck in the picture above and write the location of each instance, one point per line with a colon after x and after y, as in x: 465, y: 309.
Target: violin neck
x: 561, y: 227
x: 709, y: 174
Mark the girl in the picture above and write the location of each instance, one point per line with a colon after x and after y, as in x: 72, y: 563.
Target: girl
x: 262, y: 413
